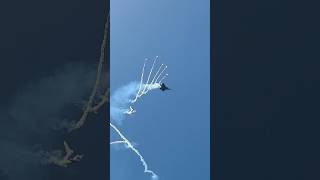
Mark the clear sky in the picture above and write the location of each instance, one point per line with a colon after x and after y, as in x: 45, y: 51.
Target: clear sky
x: 171, y: 128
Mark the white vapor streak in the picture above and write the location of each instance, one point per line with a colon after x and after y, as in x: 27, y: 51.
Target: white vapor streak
x: 130, y: 146
x: 163, y: 78
x: 161, y: 73
x: 153, y: 84
x: 150, y: 87
x: 121, y: 100
x: 153, y: 80
x: 145, y: 90
x: 117, y: 142
x: 141, y: 80
x: 122, y: 97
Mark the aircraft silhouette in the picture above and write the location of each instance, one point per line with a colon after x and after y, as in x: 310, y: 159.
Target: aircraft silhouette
x: 164, y: 87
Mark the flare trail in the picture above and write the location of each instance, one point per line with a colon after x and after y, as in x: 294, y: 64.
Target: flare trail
x: 121, y: 105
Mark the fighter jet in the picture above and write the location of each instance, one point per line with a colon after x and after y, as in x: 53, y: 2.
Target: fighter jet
x: 163, y: 87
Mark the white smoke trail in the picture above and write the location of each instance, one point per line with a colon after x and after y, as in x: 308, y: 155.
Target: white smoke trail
x: 120, y: 100
x: 145, y: 88
x: 163, y: 78
x: 121, y: 103
x: 117, y: 142
x: 141, y: 81
x: 153, y: 83
x: 130, y: 146
x: 161, y: 73
x: 156, y: 74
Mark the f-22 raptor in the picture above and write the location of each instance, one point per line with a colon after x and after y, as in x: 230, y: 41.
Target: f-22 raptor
x: 164, y: 87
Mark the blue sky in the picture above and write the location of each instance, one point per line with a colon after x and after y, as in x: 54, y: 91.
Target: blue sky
x: 171, y: 128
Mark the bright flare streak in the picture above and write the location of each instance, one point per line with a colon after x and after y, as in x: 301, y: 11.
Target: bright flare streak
x: 161, y: 73
x: 144, y: 90
x: 163, y: 78
x: 141, y: 80
x: 156, y: 74
x: 130, y: 146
